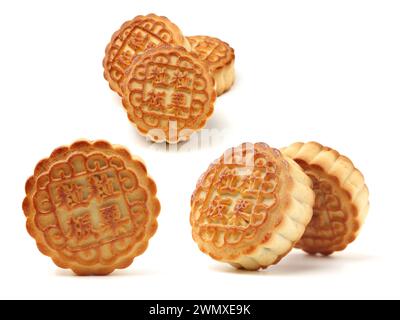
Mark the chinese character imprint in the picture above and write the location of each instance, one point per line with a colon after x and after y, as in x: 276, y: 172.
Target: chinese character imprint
x: 81, y: 228
x: 178, y: 104
x: 69, y: 195
x: 112, y: 219
x: 241, y: 213
x: 219, y: 208
x: 156, y: 101
x: 101, y: 186
x: 159, y: 76
x: 181, y: 81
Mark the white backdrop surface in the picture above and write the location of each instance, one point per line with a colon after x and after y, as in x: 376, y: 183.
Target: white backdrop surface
x: 306, y: 70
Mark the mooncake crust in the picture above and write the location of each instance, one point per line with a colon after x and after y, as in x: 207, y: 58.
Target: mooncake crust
x: 281, y: 208
x: 342, y: 201
x: 48, y: 229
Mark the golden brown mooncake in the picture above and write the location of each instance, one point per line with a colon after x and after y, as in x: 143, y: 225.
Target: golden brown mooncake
x: 168, y: 94
x: 91, y: 207
x: 251, y: 207
x: 219, y: 56
x: 342, y: 198
x: 134, y: 38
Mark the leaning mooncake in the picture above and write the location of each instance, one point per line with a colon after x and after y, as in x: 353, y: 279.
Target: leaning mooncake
x: 342, y: 198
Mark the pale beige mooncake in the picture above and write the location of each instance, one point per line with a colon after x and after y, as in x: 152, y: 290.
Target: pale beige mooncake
x: 220, y: 58
x: 342, y: 198
x: 251, y: 207
x: 134, y: 38
x: 91, y: 207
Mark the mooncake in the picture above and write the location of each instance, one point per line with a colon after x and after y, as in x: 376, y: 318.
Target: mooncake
x: 342, y: 198
x: 91, y: 207
x: 168, y: 94
x: 134, y: 38
x: 251, y: 207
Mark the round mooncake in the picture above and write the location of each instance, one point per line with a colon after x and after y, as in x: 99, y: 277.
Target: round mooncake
x: 91, y: 207
x: 250, y: 207
x: 134, y: 38
x: 219, y: 56
x: 342, y: 198
x: 169, y: 94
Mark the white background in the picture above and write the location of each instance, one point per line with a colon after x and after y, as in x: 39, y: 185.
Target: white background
x: 307, y: 70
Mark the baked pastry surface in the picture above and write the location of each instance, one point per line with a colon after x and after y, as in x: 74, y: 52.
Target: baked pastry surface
x: 91, y: 207
x: 250, y: 207
x: 135, y: 37
x: 342, y: 198
x: 219, y: 56
x: 168, y: 94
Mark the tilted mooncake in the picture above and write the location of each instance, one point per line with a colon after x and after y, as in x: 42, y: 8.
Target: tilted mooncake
x: 341, y: 204
x: 91, y: 207
x: 168, y: 94
x: 134, y: 38
x: 219, y: 56
x: 250, y: 207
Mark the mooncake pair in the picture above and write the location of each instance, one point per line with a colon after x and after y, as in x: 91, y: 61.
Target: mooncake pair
x: 168, y: 83
x: 255, y: 204
x: 92, y: 206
